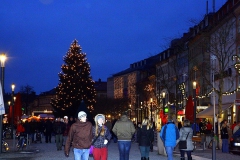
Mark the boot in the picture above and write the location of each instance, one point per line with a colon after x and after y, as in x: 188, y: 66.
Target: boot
x: 147, y: 158
x: 182, y: 158
x: 142, y: 158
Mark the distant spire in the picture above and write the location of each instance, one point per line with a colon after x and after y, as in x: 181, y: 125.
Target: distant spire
x: 207, y: 7
x: 213, y: 6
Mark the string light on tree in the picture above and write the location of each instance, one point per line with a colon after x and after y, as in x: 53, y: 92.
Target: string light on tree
x: 76, y: 83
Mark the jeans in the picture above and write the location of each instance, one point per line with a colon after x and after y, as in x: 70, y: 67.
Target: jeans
x: 59, y: 138
x: 124, y: 149
x: 225, y: 146
x: 169, y: 151
x: 81, y: 154
x: 144, y: 151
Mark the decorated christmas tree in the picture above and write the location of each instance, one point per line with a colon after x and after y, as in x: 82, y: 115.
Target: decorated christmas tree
x: 76, y: 84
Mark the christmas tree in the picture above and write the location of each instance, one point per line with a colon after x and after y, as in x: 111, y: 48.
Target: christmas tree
x: 75, y: 85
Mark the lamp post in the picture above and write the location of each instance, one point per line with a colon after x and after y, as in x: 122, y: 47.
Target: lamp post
x: 2, y: 59
x: 12, y: 102
x: 130, y: 111
x: 163, y: 99
x: 194, y: 108
x: 213, y: 58
x: 151, y: 109
x: 141, y: 112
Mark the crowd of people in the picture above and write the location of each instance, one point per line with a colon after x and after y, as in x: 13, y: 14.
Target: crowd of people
x: 87, y: 138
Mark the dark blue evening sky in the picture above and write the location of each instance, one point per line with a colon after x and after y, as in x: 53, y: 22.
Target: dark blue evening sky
x: 36, y: 34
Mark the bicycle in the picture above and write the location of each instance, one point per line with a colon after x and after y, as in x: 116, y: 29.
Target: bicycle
x: 22, y: 142
x: 5, y: 146
x: 7, y: 132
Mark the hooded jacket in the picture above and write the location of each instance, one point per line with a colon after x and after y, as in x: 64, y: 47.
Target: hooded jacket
x: 169, y: 134
x: 80, y: 136
x: 124, y: 129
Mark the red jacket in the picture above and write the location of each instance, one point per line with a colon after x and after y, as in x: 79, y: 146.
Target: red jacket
x: 20, y: 128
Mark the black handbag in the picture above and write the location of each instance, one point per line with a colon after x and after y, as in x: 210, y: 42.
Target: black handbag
x: 183, y: 143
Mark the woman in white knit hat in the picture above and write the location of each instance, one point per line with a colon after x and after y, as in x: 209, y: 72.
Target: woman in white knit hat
x: 101, y: 137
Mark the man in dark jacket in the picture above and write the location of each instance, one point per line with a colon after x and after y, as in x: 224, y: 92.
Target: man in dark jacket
x: 80, y: 136
x: 48, y: 131
x: 58, y: 128
x: 124, y: 130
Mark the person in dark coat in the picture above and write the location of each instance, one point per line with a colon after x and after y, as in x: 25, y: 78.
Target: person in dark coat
x: 58, y: 128
x: 71, y: 121
x: 26, y: 125
x: 33, y: 128
x: 113, y: 135
x: 48, y: 131
x: 145, y: 136
x: 224, y: 137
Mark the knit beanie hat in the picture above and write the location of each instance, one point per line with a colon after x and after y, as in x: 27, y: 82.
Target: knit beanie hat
x: 98, y: 116
x: 81, y: 114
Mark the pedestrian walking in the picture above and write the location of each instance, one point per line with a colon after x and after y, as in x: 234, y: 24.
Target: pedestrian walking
x: 80, y: 137
x: 124, y: 130
x: 145, y: 137
x: 67, y: 128
x: 20, y: 129
x: 224, y: 137
x: 108, y: 124
x: 169, y: 135
x: 58, y: 128
x: 48, y: 131
x: 186, y: 133
x: 102, y: 135
x: 113, y: 135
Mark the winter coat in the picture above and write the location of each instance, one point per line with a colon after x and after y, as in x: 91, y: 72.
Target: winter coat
x: 124, y: 129
x: 20, y: 128
x: 67, y: 128
x: 187, y: 132
x: 48, y: 126
x: 169, y: 134
x: 100, y: 140
x: 145, y: 137
x: 58, y: 127
x: 224, y: 133
x: 26, y: 125
x: 80, y: 136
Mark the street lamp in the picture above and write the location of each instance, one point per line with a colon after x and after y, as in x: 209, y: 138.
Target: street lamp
x: 194, y: 108
x: 213, y: 58
x: 2, y: 60
x: 141, y: 112
x: 130, y: 111
x: 163, y: 100
x: 12, y: 102
x: 151, y: 109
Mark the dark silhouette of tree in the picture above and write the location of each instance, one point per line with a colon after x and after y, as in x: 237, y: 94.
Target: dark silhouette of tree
x: 75, y: 85
x: 28, y: 95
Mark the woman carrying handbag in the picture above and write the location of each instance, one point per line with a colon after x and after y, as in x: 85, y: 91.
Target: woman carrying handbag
x: 186, y: 134
x: 102, y: 136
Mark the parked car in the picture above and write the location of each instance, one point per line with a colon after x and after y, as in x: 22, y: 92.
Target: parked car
x: 234, y: 146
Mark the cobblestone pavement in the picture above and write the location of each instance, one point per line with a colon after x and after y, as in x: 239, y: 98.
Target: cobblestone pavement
x: 43, y: 151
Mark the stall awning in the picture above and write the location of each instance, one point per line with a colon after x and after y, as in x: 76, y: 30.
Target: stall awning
x: 208, y: 113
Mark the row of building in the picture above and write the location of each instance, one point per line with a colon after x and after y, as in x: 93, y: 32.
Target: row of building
x: 208, y: 54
